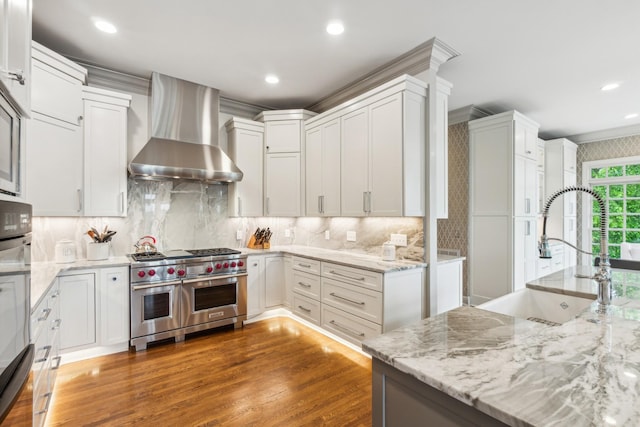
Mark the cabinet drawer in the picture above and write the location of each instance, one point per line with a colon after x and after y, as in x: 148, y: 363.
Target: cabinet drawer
x: 306, y: 308
x: 306, y: 284
x: 361, y: 302
x: 306, y: 264
x: 356, y: 276
x: 348, y: 326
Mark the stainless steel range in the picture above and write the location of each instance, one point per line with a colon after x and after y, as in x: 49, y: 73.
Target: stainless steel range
x: 179, y: 292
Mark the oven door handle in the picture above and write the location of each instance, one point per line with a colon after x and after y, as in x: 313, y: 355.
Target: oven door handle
x: 155, y: 285
x: 213, y: 278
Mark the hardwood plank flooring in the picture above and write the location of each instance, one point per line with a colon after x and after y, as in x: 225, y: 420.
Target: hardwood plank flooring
x: 276, y: 372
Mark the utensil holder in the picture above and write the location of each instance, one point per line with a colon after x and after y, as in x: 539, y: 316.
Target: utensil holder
x: 97, y: 251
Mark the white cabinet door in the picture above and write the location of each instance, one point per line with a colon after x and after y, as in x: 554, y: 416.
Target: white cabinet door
x: 385, y: 157
x: 105, y: 141
x: 77, y: 310
x: 114, y: 305
x: 569, y: 199
x: 282, y: 136
x: 524, y: 252
x: 525, y: 186
x: 245, y: 148
x: 323, y: 169
x: 354, y: 163
x: 449, y: 286
x: 274, y: 281
x: 282, y: 185
x: 55, y: 172
x: 255, y: 285
x: 525, y: 140
x: 288, y: 281
x: 56, y: 94
x: 15, y: 51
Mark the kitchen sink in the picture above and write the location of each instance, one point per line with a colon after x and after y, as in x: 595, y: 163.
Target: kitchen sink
x: 545, y: 307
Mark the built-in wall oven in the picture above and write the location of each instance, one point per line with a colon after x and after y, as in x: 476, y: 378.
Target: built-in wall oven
x: 16, y: 351
x: 180, y: 292
x: 9, y: 148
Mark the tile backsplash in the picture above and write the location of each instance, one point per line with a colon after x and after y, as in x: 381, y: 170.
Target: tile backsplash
x: 187, y: 215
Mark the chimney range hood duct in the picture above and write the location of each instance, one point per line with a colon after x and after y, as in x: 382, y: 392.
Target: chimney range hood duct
x: 184, y: 135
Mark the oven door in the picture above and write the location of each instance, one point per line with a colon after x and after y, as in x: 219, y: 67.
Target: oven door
x: 155, y: 308
x: 207, y: 300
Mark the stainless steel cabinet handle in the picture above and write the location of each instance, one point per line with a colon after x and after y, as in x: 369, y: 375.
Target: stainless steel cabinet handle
x: 267, y: 206
x: 58, y: 359
x: 304, y: 265
x: 239, y: 206
x: 527, y: 204
x: 319, y: 204
x: 304, y: 284
x: 17, y: 75
x: 46, y: 405
x: 364, y: 201
x: 122, y: 202
x: 528, y: 231
x: 347, y: 329
x: 47, y: 350
x: 56, y: 324
x: 347, y: 276
x: 79, y: 200
x: 369, y: 201
x: 45, y: 316
x: 308, y: 310
x: 346, y: 299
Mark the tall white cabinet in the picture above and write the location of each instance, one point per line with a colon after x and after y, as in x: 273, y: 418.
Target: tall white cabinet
x: 245, y: 139
x: 503, y: 204
x: 322, y: 160
x: 560, y: 172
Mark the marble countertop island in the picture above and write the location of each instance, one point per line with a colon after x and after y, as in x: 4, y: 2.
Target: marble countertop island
x: 585, y: 372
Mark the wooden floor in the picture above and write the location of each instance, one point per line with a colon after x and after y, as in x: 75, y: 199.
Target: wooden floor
x: 275, y: 372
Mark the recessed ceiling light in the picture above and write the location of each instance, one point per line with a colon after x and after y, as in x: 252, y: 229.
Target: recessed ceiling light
x: 610, y: 86
x: 631, y: 116
x: 105, y: 26
x: 335, y: 27
x: 271, y: 79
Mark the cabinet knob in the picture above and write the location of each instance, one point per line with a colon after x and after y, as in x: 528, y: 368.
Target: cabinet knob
x: 114, y: 278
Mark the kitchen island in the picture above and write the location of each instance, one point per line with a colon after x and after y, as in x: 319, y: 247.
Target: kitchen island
x: 470, y: 366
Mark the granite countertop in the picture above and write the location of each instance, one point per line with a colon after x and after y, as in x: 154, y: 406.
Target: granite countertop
x: 350, y: 259
x: 582, y: 373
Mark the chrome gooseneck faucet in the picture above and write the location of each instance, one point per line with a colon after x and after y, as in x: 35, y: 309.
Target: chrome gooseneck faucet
x: 603, y: 275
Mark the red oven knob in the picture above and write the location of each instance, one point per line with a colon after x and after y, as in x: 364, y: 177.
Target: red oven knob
x: 218, y: 266
x: 141, y: 273
x: 209, y: 269
x: 233, y: 264
x: 152, y: 272
x: 181, y: 272
x: 171, y: 270
x: 226, y: 265
x: 240, y: 263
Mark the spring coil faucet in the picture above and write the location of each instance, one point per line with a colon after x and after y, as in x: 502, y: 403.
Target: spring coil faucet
x: 603, y: 275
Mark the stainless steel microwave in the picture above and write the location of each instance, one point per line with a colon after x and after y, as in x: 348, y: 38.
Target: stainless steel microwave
x: 9, y: 148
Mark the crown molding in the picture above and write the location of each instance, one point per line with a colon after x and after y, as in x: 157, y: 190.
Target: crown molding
x: 429, y: 55
x: 602, y: 135
x: 466, y: 114
x: 240, y: 109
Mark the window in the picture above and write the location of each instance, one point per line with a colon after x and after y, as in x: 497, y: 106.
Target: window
x: 617, y: 181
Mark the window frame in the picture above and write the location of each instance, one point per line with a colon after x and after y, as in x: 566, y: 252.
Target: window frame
x: 586, y: 204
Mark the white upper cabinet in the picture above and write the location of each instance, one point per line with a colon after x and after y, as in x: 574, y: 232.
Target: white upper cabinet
x: 382, y: 151
x: 105, y: 147
x: 15, y: 52
x: 323, y: 168
x: 245, y: 147
x: 284, y: 161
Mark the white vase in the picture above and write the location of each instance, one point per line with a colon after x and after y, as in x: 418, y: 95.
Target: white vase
x: 97, y: 251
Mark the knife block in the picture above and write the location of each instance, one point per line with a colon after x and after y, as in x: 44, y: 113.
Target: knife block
x: 253, y: 245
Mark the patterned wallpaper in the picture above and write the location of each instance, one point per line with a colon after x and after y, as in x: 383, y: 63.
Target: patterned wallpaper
x: 600, y: 150
x: 453, y: 231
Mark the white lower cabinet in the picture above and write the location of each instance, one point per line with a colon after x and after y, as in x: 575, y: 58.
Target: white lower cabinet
x: 45, y: 326
x: 94, y: 308
x: 265, y: 283
x: 306, y: 289
x: 449, y: 295
x: 275, y: 278
x: 255, y: 285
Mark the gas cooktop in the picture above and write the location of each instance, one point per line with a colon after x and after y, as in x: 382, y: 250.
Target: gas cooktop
x: 182, y: 254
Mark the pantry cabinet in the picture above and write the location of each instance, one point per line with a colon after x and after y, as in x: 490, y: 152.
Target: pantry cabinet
x: 245, y: 140
x: 322, y: 168
x: 85, y: 130
x: 15, y: 52
x: 382, y: 151
x: 503, y: 198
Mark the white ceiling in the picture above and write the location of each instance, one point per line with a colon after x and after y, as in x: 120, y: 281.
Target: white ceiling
x: 545, y: 58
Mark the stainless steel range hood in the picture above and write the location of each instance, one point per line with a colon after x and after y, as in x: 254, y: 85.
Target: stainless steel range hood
x: 184, y: 135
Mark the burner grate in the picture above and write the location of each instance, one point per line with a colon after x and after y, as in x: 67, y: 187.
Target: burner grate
x: 148, y: 257
x: 213, y: 252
